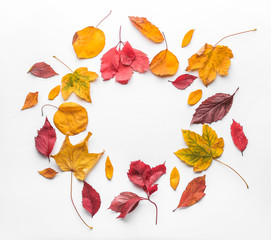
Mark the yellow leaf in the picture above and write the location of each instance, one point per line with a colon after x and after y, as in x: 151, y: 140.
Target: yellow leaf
x: 147, y: 29
x: 109, y: 168
x: 174, y: 178
x: 54, y: 92
x: 71, y: 118
x: 31, y: 100
x: 187, y: 37
x: 164, y: 64
x: 209, y: 61
x: 194, y: 97
x: 76, y: 158
x: 79, y: 83
x: 48, y: 173
x: 88, y: 42
x: 201, y: 149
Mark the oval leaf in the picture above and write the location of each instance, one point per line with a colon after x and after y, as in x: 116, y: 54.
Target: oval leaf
x: 187, y: 37
x: 194, y: 97
x: 183, y: 81
x: 31, y: 100
x: 54, y: 92
x: 42, y: 70
x: 238, y: 136
x: 48, y: 173
x: 174, y: 178
x: 108, y: 168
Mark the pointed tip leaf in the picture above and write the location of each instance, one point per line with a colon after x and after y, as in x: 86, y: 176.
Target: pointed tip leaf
x: 42, y: 70
x: 239, y: 138
x: 48, y: 173
x: 184, y: 81
x: 31, y: 100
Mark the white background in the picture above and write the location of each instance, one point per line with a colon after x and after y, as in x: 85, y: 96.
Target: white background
x: 142, y: 120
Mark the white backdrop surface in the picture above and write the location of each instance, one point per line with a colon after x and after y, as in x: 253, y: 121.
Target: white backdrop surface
x: 141, y: 120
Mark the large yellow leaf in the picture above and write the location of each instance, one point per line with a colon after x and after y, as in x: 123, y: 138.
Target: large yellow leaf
x: 76, y: 158
x: 209, y: 61
x: 79, y: 83
x: 88, y: 42
x: 71, y: 118
x: 201, y: 149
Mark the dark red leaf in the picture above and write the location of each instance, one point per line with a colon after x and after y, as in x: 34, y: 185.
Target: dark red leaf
x: 213, y: 108
x: 183, y: 81
x: 110, y: 63
x: 193, y: 192
x: 91, y: 200
x: 125, y: 203
x: 141, y: 62
x: 127, y: 54
x: 42, y: 70
x: 46, y: 139
x: 238, y: 136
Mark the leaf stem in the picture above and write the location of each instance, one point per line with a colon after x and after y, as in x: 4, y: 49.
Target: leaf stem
x: 104, y: 18
x: 75, y: 207
x: 233, y: 170
x: 46, y: 106
x: 234, y: 35
x: 165, y: 40
x: 63, y: 63
x: 156, y: 208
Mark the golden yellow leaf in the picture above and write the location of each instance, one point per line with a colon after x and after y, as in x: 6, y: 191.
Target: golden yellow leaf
x: 194, y: 97
x: 54, y: 92
x: 31, y: 100
x: 76, y: 158
x: 174, y: 178
x: 187, y: 37
x: 48, y: 173
x: 88, y: 42
x: 209, y: 61
x: 147, y: 29
x: 165, y: 63
x: 79, y: 83
x: 109, y: 168
x: 71, y: 118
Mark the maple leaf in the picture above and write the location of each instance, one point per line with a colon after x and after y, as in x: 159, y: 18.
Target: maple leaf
x: 46, y: 139
x: 147, y: 29
x: 193, y: 192
x: 213, y: 108
x: 71, y: 118
x: 31, y: 100
x: 76, y: 158
x: 91, y: 200
x: 48, y: 173
x: 54, y: 92
x: 187, y: 37
x: 174, y: 178
x: 238, y: 136
x: 108, y: 168
x: 183, y: 81
x: 42, y: 70
x: 194, y: 97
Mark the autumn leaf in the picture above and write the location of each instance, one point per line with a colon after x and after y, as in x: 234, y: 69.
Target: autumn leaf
x: 42, y: 70
x: 76, y: 158
x: 183, y: 81
x: 213, y: 108
x: 46, y: 139
x: 54, y: 92
x: 238, y: 136
x: 187, y: 37
x: 193, y: 192
x: 31, y: 100
x: 48, y: 173
x: 91, y: 200
x: 174, y: 178
x: 108, y: 168
x: 147, y: 29
x: 71, y: 118
x: 194, y: 97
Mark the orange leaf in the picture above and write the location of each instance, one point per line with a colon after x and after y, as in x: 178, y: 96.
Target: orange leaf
x: 48, y: 173
x: 194, y: 97
x: 147, y: 29
x: 187, y: 37
x: 31, y: 100
x: 54, y: 92
x: 174, y: 178
x: 108, y: 168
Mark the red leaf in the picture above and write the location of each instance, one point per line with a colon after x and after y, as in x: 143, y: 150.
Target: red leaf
x: 183, y: 81
x: 91, y: 200
x: 124, y: 74
x: 110, y: 63
x: 125, y: 203
x: 193, y: 192
x: 46, y: 139
x: 238, y: 136
x: 213, y: 108
x: 127, y: 54
x: 42, y: 70
x: 141, y: 62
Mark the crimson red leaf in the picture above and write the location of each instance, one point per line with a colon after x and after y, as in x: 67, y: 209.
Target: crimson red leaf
x: 46, y: 139
x: 42, y: 70
x: 124, y: 74
x: 125, y: 203
x: 183, y: 81
x: 110, y: 63
x: 91, y: 200
x: 127, y: 54
x: 141, y: 62
x: 238, y: 136
x: 213, y: 108
x: 193, y: 192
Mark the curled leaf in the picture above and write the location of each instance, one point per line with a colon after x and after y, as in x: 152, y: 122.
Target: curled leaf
x: 42, y: 70
x: 54, y: 92
x: 183, y: 81
x: 174, y: 178
x: 31, y: 100
x: 187, y: 37
x: 108, y: 168
x: 48, y: 173
x: 238, y: 136
x: 194, y: 97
